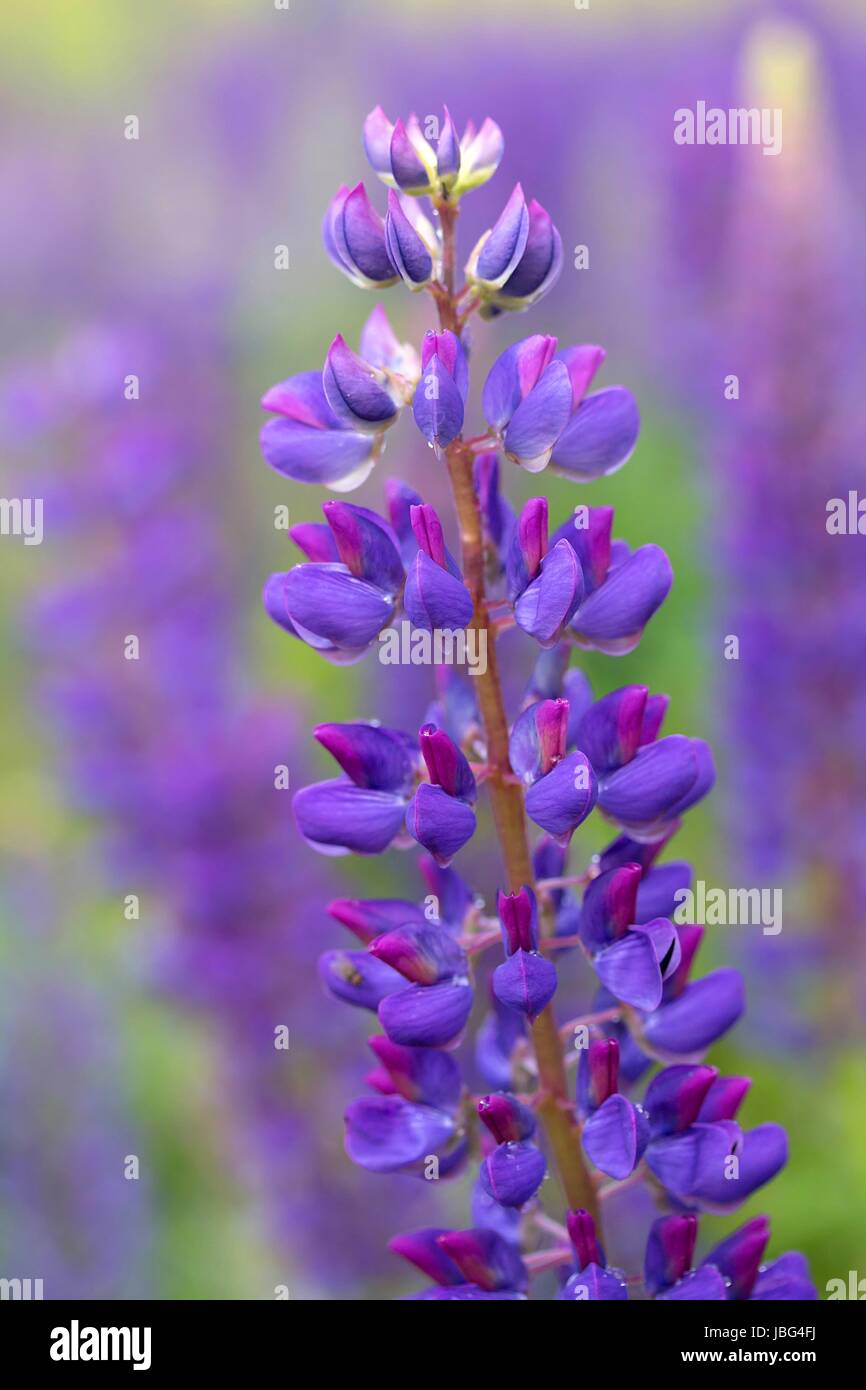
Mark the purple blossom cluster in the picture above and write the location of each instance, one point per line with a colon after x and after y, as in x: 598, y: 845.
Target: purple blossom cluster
x: 641, y: 1105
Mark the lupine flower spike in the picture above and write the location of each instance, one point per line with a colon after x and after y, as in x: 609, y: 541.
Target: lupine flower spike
x: 472, y: 1073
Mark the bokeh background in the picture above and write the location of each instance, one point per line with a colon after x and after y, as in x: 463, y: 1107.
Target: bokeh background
x: 159, y: 917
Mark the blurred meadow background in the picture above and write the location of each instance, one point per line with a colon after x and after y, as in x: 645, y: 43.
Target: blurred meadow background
x: 159, y: 915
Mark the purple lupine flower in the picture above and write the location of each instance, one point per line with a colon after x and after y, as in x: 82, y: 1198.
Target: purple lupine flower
x: 549, y: 763
x: 411, y: 241
x: 436, y: 164
x: 535, y: 402
x: 355, y: 239
x: 441, y: 392
x: 519, y: 260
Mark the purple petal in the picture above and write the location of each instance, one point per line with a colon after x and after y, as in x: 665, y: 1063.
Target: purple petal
x: 316, y: 541
x: 353, y: 392
x: 705, y: 1010
x: 336, y: 457
x: 338, y: 817
x: 630, y: 970
x: 738, y: 1257
x: 762, y: 1153
x: 600, y: 436
x: 377, y: 141
x: 366, y: 545
x: 425, y: 954
x: 446, y: 763
x: 525, y: 982
x: 506, y: 1117
x: 513, y: 375
x: 380, y: 346
x: 786, y: 1278
x: 669, y: 1251
x: 518, y: 913
x: 359, y: 233
x: 582, y: 362
x: 724, y: 1098
x: 358, y: 979
x: 409, y: 170
x: 549, y: 602
x: 420, y: 1074
x: 610, y: 731
x: 486, y: 1259
x: 329, y: 607
x: 538, y: 739
x: 588, y: 532
x: 539, y: 419
x: 405, y: 247
x: 513, y: 1173
x: 583, y: 1237
x: 426, y: 1015
x: 370, y: 754
x: 438, y: 405
x: 448, y: 150
x: 434, y: 599
x: 705, y: 1284
x: 541, y: 262
x: 675, y: 1095
x: 505, y: 245
x: 608, y: 906
x: 302, y: 398
x: 597, y: 1074
x: 421, y: 1249
x: 480, y: 154
x: 387, y: 1133
x: 654, y: 781
x: 704, y: 781
x: 439, y: 822
x: 562, y: 800
x: 595, y: 1285
x: 370, y: 917
x: 615, y: 614
x: 657, y: 893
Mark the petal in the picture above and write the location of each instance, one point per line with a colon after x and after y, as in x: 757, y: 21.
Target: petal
x: 316, y: 541
x: 505, y: 244
x: 600, y: 436
x: 705, y: 780
x: 669, y: 1251
x: 738, y: 1257
x: 657, y: 892
x: 328, y: 606
x: 426, y: 1015
x: 630, y: 970
x: 439, y: 822
x: 435, y: 600
x: 597, y: 1074
x: 595, y: 1285
x: 356, y: 978
x: 506, y: 1117
x: 448, y: 150
x: 512, y: 376
x: 411, y: 172
x: 446, y: 763
x: 518, y: 913
x: 588, y: 531
x: 539, y: 419
x: 675, y: 1095
x: 336, y: 458
x: 582, y: 362
x: 787, y: 1278
x: 538, y: 739
x: 608, y: 906
x: 705, y: 1010
x: 610, y: 731
x: 525, y: 982
x: 370, y: 754
x: 370, y: 917
x: 438, y: 405
x: 421, y: 1249
x: 705, y: 1284
x: 513, y: 1173
x: 562, y: 800
x: 615, y: 614
x: 541, y: 262
x: 338, y: 817
x: 425, y: 954
x: 360, y: 237
x: 377, y: 142
x: 549, y: 602
x: 421, y: 1074
x: 405, y: 247
x: 762, y: 1153
x: 387, y: 1133
x: 654, y: 781
x: 480, y: 155
x: 302, y: 398
x: 354, y: 394
x: 724, y: 1099
x: 366, y: 544
x: 380, y: 346
x: 584, y: 1239
x: 485, y: 1259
